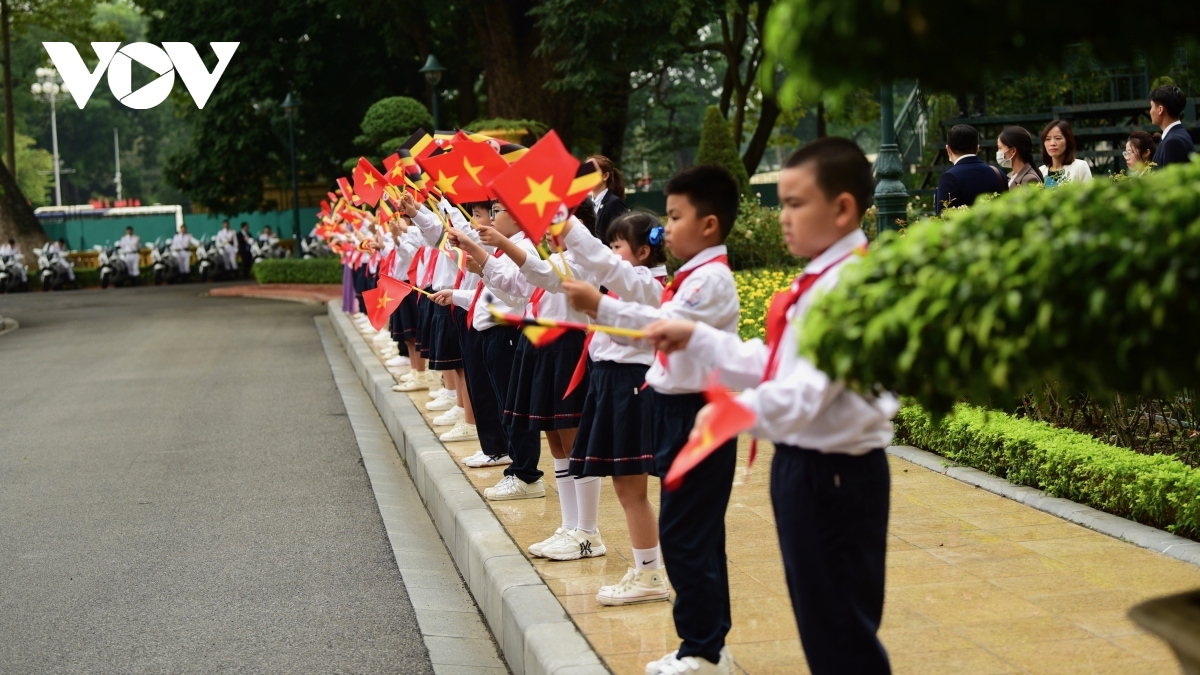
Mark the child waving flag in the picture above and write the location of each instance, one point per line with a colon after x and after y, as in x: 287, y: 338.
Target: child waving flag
x: 829, y: 480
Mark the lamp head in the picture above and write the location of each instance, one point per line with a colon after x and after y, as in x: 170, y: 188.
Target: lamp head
x: 433, y: 70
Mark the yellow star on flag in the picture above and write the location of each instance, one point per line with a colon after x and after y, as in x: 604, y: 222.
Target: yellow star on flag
x: 383, y: 300
x: 369, y: 179
x: 540, y: 194
x: 397, y: 170
x: 446, y: 184
x: 473, y: 170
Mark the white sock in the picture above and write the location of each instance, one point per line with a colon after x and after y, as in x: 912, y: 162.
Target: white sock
x: 566, y: 494
x: 587, y: 496
x: 647, y: 558
x: 450, y: 393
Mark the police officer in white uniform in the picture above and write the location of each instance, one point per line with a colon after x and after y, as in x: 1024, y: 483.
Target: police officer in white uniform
x: 131, y: 252
x: 60, y: 247
x: 11, y: 249
x: 226, y: 241
x: 181, y: 247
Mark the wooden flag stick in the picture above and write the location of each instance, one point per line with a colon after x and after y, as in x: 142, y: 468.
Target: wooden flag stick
x: 541, y: 248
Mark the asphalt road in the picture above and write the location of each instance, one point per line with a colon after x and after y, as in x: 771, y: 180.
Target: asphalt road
x: 180, y: 491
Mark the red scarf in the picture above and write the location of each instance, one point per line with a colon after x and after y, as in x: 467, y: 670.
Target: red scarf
x: 478, y: 292
x: 674, y: 286
x: 777, y: 313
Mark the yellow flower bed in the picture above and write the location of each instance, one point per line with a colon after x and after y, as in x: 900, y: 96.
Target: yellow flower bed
x: 755, y: 289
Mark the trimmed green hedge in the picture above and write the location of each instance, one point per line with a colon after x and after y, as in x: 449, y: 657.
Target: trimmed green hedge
x: 1155, y: 490
x: 291, y: 271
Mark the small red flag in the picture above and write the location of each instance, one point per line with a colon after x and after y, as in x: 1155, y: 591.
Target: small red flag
x: 541, y: 336
x: 394, y: 169
x: 535, y: 188
x: 368, y: 182
x: 728, y: 419
x: 382, y: 300
x: 347, y: 193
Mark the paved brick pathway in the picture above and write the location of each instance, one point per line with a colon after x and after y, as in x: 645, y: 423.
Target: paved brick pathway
x: 976, y: 583
x: 307, y: 293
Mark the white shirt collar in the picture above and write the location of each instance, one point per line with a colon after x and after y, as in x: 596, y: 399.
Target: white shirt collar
x: 840, y: 249
x: 1170, y: 126
x: 596, y: 199
x: 962, y: 157
x: 703, y: 257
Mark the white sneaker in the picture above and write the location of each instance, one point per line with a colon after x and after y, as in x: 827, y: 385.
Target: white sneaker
x: 397, y: 361
x: 671, y: 664
x: 417, y: 382
x: 442, y: 402
x: 635, y: 587
x: 461, y: 432
x: 535, y: 550
x: 574, y: 545
x: 511, y: 487
x: 482, y: 459
x: 449, y: 418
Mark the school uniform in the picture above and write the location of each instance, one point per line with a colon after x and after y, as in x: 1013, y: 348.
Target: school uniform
x: 692, y: 517
x: 404, y: 319
x: 541, y: 375
x: 444, y: 350
x: 829, y: 479
x: 614, y: 433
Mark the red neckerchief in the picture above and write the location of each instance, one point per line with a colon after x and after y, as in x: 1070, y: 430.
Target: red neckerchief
x: 536, y: 301
x: 430, y: 268
x: 412, y: 267
x: 674, y: 286
x: 781, y: 302
x: 478, y: 292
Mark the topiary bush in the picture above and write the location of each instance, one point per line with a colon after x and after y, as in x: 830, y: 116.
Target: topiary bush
x: 757, y: 238
x: 1090, y: 285
x: 717, y: 146
x: 391, y: 118
x: 292, y: 271
x: 1155, y: 490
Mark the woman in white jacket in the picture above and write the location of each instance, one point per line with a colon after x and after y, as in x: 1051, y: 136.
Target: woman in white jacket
x: 1058, y: 154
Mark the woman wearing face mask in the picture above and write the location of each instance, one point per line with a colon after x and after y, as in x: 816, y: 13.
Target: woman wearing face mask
x: 1058, y: 155
x: 1014, y: 151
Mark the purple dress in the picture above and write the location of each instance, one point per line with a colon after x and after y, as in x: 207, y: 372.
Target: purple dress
x: 349, y: 301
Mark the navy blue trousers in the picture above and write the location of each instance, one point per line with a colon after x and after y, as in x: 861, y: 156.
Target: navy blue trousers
x: 499, y: 348
x: 492, y: 437
x: 831, y: 512
x: 691, y: 524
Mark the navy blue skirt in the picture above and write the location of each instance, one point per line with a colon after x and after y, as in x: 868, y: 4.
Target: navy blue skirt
x: 445, y: 350
x: 539, y: 379
x: 404, y: 319
x: 614, y: 432
x: 425, y: 308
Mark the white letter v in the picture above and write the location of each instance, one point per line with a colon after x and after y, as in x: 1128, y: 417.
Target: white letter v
x: 199, y: 82
x: 74, y: 73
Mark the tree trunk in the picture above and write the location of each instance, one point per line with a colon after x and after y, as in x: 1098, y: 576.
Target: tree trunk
x: 9, y: 124
x: 762, y: 133
x: 514, y: 76
x: 16, y: 215
x: 614, y: 118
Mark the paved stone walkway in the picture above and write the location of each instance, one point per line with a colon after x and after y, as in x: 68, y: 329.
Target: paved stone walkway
x: 976, y: 583
x: 312, y: 294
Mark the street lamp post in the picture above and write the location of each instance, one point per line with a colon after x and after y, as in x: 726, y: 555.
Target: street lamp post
x: 433, y: 70
x: 891, y: 197
x: 47, y: 88
x: 290, y: 106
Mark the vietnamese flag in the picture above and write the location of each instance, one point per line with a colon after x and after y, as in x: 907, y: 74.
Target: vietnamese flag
x: 368, y: 182
x: 347, y: 193
x: 394, y: 169
x: 728, y: 419
x: 535, y: 187
x: 382, y: 300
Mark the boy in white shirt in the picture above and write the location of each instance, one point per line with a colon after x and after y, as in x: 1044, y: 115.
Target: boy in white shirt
x: 829, y: 479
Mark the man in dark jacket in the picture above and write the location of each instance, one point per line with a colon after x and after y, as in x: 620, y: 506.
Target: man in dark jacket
x: 970, y: 176
x: 1166, y: 108
x: 244, y: 240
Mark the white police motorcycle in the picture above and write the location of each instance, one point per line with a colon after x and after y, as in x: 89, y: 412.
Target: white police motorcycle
x: 13, y: 273
x: 53, y: 269
x: 166, y: 267
x: 113, y: 270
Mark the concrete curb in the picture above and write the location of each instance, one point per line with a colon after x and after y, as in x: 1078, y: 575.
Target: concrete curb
x: 8, y: 325
x: 533, y: 630
x: 1105, y: 523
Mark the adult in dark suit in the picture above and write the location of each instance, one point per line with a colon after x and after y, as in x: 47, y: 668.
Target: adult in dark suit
x: 970, y: 176
x: 244, y: 238
x: 607, y: 200
x: 1166, y: 109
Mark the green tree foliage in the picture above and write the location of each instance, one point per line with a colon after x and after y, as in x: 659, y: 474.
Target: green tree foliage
x: 827, y: 47
x: 390, y: 121
x: 717, y: 147
x: 1089, y: 285
x: 35, y: 168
